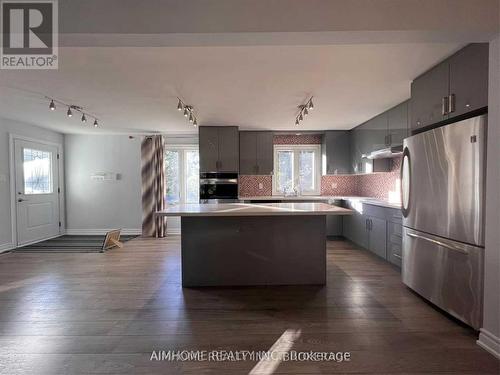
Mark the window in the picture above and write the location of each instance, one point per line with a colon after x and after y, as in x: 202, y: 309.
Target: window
x: 182, y: 174
x: 297, y: 169
x: 37, y: 170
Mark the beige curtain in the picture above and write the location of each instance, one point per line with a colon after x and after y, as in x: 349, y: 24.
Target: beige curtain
x: 153, y: 186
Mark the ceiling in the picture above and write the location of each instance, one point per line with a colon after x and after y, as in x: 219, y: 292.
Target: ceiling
x: 135, y: 90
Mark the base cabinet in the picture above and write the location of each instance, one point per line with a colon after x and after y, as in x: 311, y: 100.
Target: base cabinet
x: 377, y: 229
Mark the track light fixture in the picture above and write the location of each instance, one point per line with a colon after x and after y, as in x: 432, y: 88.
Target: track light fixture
x: 72, y: 108
x: 188, y: 112
x: 304, y: 110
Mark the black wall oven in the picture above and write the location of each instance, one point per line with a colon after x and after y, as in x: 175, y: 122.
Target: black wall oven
x: 218, y: 187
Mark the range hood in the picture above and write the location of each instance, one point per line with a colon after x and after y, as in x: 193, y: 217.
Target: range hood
x: 385, y: 153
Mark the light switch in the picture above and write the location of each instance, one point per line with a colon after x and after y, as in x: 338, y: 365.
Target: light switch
x: 3, y: 178
x: 261, y: 186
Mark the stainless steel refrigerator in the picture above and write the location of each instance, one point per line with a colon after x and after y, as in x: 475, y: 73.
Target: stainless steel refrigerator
x: 443, y: 190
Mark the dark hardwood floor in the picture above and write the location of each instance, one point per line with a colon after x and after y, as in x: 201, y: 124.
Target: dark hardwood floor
x: 106, y: 313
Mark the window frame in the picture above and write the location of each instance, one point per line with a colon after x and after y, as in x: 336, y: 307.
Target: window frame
x: 296, y: 150
x: 182, y: 149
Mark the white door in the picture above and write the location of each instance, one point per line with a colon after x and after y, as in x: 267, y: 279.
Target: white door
x: 37, y: 191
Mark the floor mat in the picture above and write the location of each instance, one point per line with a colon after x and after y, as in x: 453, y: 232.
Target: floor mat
x: 70, y: 244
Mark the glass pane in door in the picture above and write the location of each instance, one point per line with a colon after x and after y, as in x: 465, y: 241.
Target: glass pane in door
x: 192, y: 176
x: 37, y: 171
x: 172, y: 175
x: 306, y: 171
x: 285, y: 171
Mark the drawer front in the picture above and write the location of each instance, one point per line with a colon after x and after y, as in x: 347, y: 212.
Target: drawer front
x: 395, y: 233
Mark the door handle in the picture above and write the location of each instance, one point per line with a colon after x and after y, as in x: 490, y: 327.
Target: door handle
x: 437, y: 242
x: 444, y: 105
x: 397, y: 256
x: 451, y: 103
x: 21, y: 200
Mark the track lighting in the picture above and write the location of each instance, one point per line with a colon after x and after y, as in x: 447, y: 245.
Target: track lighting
x: 72, y: 108
x: 188, y: 112
x: 304, y: 110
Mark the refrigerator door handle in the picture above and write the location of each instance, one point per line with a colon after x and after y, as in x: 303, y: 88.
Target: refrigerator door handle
x: 437, y: 242
x: 405, y: 178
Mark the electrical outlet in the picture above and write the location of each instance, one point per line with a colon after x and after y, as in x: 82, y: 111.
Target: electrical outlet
x: 261, y: 186
x: 334, y: 185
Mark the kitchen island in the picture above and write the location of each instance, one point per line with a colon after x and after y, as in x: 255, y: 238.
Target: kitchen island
x: 253, y: 244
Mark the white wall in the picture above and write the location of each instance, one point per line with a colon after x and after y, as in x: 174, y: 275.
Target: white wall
x: 7, y: 127
x: 490, y: 333
x: 94, y: 207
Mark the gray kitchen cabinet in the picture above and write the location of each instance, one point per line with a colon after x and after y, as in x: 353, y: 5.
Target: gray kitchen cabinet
x: 469, y: 79
x: 337, y: 152
x: 397, y: 124
x: 219, y: 148
x: 428, y: 93
x: 248, y: 146
x: 394, y: 243
x: 377, y: 236
x: 377, y: 229
x: 256, y: 152
x: 376, y: 133
x: 208, y: 148
x: 455, y: 87
x: 265, y: 153
x: 334, y: 225
x: 355, y: 229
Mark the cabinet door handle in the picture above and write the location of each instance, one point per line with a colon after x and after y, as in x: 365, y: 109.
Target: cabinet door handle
x: 444, y: 105
x: 367, y: 227
x: 451, y: 103
x: 389, y: 139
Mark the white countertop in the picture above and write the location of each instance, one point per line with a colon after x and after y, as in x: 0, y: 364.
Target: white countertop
x: 327, y: 198
x: 253, y: 209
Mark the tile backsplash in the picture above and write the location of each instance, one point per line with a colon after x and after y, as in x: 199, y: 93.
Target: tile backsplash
x: 377, y: 185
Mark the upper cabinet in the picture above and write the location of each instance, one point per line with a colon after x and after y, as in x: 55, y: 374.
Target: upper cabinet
x: 219, y: 148
x: 336, y: 152
x: 397, y: 124
x: 454, y: 87
x: 256, y: 152
x: 469, y: 79
x: 376, y: 133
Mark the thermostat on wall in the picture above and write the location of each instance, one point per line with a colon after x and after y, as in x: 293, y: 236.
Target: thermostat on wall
x: 106, y: 176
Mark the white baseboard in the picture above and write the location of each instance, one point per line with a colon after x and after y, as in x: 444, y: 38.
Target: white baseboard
x: 489, y: 342
x: 89, y: 232
x: 6, y: 247
x: 173, y: 231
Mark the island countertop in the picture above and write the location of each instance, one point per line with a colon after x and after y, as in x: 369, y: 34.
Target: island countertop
x: 254, y: 209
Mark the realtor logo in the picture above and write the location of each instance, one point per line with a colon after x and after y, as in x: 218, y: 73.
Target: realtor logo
x: 29, y: 34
